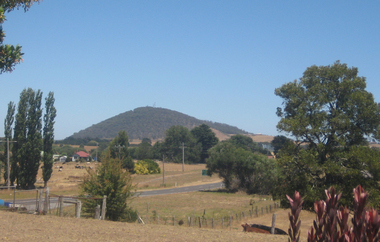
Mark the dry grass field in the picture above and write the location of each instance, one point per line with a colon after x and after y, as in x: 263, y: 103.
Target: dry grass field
x: 66, y: 181
x: 23, y: 227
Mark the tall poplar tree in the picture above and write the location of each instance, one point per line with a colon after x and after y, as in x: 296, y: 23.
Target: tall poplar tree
x: 8, y: 122
x: 27, y: 150
x: 48, y: 137
x: 19, y: 134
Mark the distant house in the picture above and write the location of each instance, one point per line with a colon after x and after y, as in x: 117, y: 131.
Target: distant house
x: 80, y: 155
x: 62, y: 158
x: 55, y: 157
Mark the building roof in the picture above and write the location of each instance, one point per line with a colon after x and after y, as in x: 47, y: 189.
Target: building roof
x: 82, y: 154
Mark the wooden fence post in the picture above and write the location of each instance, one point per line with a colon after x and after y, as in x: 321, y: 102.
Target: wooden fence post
x: 200, y: 222
x: 104, y: 205
x: 173, y: 220
x: 230, y: 222
x: 14, y: 198
x: 256, y: 212
x: 47, y: 202
x: 189, y: 220
x: 250, y: 213
x: 212, y: 222
x: 262, y: 210
x: 237, y: 217
x: 272, y: 230
x: 97, y: 212
x: 270, y: 208
x: 78, y: 208
x: 39, y: 208
x: 60, y: 206
x: 223, y: 223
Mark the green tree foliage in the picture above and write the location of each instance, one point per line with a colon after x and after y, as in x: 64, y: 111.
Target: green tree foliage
x: 246, y: 143
x: 172, y: 147
x: 8, y: 122
x: 48, y: 137
x: 147, y: 166
x: 118, y: 149
x: 279, y: 142
x: 330, y: 112
x: 111, y: 180
x: 10, y: 55
x: 144, y: 150
x: 206, y: 138
x: 27, y: 133
x: 241, y: 169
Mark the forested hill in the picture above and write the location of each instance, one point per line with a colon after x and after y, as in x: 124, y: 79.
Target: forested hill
x: 148, y: 122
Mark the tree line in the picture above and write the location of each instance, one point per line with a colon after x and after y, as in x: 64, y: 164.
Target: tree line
x: 32, y: 136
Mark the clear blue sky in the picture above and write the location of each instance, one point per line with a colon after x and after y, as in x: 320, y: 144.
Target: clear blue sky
x: 213, y: 60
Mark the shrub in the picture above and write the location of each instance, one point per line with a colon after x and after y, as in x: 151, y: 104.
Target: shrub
x: 145, y: 167
x: 332, y: 223
x: 109, y: 179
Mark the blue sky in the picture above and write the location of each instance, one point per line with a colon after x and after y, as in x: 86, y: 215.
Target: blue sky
x: 213, y: 60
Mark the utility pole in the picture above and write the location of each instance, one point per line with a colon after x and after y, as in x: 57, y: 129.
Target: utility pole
x: 97, y: 146
x: 119, y: 146
x: 163, y: 170
x: 8, y: 171
x: 183, y: 157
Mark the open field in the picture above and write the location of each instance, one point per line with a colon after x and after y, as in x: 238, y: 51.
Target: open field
x: 23, y: 227
x: 27, y: 227
x: 66, y: 182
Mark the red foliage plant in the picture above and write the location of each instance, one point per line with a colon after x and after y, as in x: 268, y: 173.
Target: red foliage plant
x: 332, y: 223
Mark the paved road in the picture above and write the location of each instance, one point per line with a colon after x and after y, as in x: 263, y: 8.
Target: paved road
x: 30, y: 204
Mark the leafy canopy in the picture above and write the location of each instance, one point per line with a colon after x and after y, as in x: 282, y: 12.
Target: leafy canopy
x: 10, y: 55
x: 330, y: 112
x: 111, y: 180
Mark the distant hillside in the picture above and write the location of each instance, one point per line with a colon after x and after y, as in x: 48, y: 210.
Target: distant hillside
x: 148, y: 122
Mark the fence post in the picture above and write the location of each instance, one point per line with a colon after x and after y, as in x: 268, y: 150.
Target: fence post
x: 147, y: 213
x: 14, y: 197
x: 200, y: 222
x: 242, y: 214
x: 47, y: 202
x: 230, y: 221
x: 223, y: 223
x: 97, y: 212
x: 39, y: 208
x: 272, y: 230
x: 256, y: 212
x: 78, y: 208
x: 212, y: 222
x: 262, y: 210
x: 104, y: 205
x: 60, y: 206
x: 250, y: 213
x: 173, y: 220
x: 189, y: 220
x: 266, y: 208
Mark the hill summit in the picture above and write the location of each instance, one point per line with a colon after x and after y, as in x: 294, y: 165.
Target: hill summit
x: 148, y: 122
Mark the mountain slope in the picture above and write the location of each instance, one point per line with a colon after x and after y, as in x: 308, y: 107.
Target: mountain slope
x: 148, y: 122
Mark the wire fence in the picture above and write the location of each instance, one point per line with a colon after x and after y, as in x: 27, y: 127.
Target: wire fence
x: 219, y: 222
